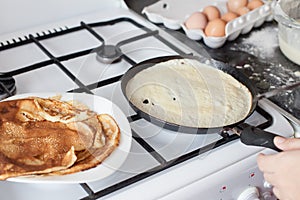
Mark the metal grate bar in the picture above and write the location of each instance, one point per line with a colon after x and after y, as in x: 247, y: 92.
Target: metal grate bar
x: 100, y: 83
x: 30, y: 68
x: 87, y: 189
x: 147, y: 147
x: 267, y: 116
x: 133, y: 118
x: 61, y: 66
x: 5, y: 89
x: 139, y: 37
x: 129, y: 60
x: 92, y: 31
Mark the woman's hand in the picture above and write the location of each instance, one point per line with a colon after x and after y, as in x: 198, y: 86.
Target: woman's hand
x: 282, y: 170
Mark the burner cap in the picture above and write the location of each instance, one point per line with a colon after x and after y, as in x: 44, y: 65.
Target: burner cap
x: 7, y: 86
x: 109, y: 54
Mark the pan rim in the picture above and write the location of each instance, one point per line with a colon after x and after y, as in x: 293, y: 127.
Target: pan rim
x: 130, y: 73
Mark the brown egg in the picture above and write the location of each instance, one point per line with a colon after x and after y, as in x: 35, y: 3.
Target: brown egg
x: 242, y: 11
x: 215, y: 28
x: 254, y: 4
x: 234, y: 5
x: 212, y: 12
x: 197, y: 20
x: 227, y: 17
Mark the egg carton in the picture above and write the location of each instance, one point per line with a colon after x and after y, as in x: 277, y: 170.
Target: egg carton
x: 173, y: 13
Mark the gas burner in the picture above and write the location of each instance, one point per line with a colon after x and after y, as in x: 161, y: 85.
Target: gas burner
x: 7, y: 86
x: 109, y: 54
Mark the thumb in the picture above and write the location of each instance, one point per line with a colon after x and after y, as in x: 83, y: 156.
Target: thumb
x: 287, y: 143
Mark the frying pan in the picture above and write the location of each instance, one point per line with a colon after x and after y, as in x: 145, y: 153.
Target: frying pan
x: 248, y: 134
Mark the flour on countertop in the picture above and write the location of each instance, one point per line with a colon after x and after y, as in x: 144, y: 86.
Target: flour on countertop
x: 260, y: 43
x: 267, y: 68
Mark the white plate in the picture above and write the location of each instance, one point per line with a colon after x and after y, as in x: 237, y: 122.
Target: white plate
x: 110, y: 164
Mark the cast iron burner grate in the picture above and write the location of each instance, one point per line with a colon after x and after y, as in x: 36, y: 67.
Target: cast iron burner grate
x: 110, y: 54
x: 7, y: 86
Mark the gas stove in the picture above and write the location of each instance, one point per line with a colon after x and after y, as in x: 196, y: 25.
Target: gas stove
x: 89, y: 53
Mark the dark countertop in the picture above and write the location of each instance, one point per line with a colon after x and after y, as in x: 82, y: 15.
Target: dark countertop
x: 138, y: 5
x: 257, y: 54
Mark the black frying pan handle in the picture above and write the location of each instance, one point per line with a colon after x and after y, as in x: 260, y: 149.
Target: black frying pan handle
x: 251, y: 135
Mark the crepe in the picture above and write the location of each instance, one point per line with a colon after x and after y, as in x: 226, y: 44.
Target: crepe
x: 189, y: 93
x: 48, y: 136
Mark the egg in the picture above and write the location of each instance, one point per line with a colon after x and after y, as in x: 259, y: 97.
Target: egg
x: 212, y: 12
x: 234, y: 5
x: 242, y: 11
x: 215, y: 28
x: 254, y: 4
x: 227, y: 17
x: 197, y: 20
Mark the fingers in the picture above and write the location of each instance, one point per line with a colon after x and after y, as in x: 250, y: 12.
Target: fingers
x: 281, y: 170
x: 266, y: 163
x: 286, y: 144
x: 271, y: 178
x: 276, y: 192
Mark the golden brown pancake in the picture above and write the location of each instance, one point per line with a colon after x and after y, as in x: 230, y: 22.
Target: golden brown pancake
x: 47, y: 136
x: 96, y: 155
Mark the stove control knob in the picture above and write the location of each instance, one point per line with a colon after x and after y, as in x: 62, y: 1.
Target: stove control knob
x: 267, y: 185
x: 268, y: 196
x: 250, y: 193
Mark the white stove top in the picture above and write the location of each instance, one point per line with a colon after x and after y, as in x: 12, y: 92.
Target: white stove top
x: 160, y: 161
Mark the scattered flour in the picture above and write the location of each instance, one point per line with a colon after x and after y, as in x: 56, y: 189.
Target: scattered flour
x: 270, y: 72
x: 260, y: 43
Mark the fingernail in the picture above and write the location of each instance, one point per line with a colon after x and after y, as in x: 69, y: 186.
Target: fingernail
x: 279, y: 140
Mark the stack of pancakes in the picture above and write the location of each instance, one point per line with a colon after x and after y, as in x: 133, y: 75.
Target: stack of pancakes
x: 52, y: 137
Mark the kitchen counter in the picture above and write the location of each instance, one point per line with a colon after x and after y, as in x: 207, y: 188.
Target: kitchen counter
x: 257, y: 54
